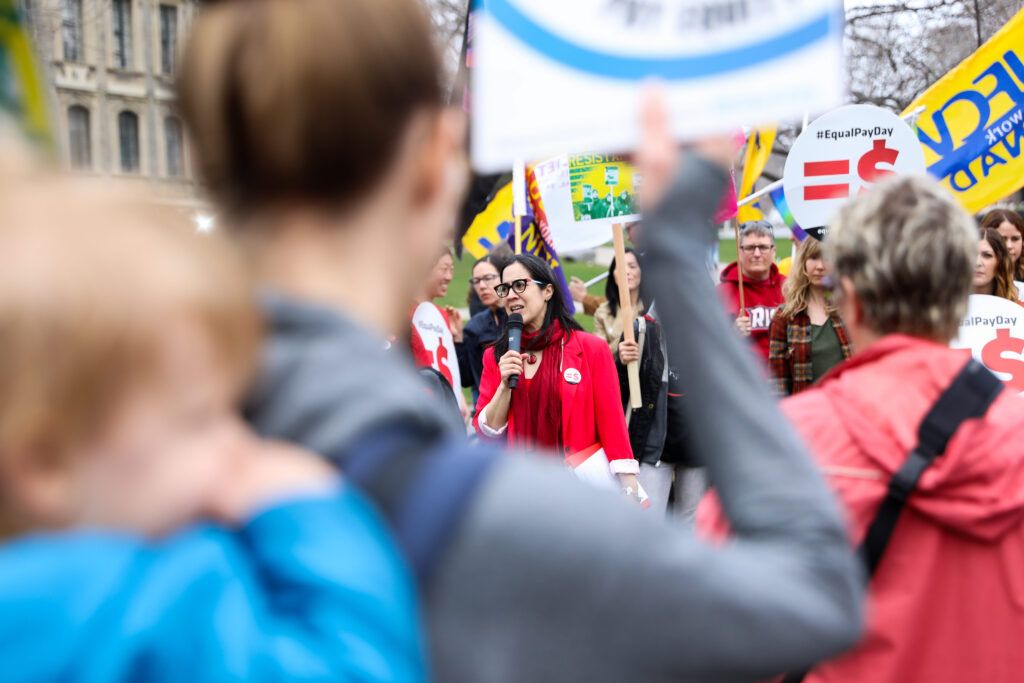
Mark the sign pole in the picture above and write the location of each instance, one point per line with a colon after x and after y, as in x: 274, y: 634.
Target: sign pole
x: 518, y: 201
x: 626, y: 314
x: 739, y: 263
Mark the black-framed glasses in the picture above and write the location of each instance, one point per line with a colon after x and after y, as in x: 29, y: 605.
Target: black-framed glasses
x: 751, y: 248
x: 474, y: 281
x: 519, y: 286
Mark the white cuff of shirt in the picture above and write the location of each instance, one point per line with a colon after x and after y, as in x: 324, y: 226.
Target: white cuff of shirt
x: 487, y: 429
x: 624, y: 466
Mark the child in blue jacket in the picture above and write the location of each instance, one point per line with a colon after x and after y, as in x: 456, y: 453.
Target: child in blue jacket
x: 145, y: 534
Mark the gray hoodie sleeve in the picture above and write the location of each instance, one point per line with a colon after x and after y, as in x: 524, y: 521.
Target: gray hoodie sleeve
x: 549, y: 580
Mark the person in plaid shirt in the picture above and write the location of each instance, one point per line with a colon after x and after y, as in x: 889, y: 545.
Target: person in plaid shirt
x: 807, y: 336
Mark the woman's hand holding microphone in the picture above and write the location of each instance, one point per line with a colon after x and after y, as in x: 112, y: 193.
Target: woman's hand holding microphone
x: 510, y: 365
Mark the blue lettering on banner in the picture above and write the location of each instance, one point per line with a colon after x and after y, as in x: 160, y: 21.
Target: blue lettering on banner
x: 993, y: 143
x: 670, y: 68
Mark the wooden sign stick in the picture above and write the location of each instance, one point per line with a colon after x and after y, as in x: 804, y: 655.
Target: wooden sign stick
x: 626, y: 314
x: 739, y: 268
x: 519, y: 233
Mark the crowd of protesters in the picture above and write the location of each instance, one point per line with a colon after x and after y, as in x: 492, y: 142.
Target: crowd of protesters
x: 253, y: 463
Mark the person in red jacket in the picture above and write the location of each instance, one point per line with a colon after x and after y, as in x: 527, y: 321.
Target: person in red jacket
x: 567, y: 398
x: 946, y: 602
x: 762, y: 284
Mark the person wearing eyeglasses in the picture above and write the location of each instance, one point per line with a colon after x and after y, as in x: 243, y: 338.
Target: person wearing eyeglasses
x: 484, y: 327
x: 807, y: 334
x: 762, y: 284
x: 567, y: 397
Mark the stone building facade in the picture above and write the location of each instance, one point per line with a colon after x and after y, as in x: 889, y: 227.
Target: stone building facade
x: 110, y: 64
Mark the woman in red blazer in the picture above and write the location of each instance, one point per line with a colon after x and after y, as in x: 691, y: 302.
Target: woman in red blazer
x: 567, y: 398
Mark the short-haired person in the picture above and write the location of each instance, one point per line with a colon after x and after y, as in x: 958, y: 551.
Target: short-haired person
x: 145, y: 532
x: 946, y: 600
x: 567, y: 398
x: 339, y: 183
x: 436, y: 330
x: 1010, y: 225
x: 993, y: 268
x: 484, y: 327
x: 807, y: 334
x: 762, y: 284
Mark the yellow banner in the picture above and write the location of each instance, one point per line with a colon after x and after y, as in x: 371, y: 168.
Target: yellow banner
x: 972, y: 127
x: 759, y: 147
x: 492, y: 225
x: 22, y: 92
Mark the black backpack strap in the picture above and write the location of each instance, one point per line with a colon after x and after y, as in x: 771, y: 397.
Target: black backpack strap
x: 970, y: 394
x: 420, y: 480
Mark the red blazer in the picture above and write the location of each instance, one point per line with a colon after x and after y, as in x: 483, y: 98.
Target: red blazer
x: 591, y: 409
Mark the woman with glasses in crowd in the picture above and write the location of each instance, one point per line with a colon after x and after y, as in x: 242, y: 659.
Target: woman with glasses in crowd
x: 484, y: 327
x: 566, y: 399
x: 807, y: 337
x: 993, y: 269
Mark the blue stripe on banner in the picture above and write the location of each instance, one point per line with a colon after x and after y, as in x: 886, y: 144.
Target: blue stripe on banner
x: 669, y: 68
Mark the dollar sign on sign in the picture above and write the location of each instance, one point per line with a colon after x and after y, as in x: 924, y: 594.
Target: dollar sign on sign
x: 992, y: 357
x: 867, y: 167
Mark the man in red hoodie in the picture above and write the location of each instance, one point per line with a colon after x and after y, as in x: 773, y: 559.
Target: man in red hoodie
x: 762, y: 284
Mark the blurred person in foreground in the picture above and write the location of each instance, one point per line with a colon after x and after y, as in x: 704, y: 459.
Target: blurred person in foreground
x: 993, y: 267
x: 145, y: 532
x: 946, y: 600
x: 807, y: 334
x: 762, y: 284
x: 322, y: 132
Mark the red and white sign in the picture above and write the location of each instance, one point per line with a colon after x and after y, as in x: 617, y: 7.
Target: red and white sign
x: 993, y: 332
x: 842, y: 154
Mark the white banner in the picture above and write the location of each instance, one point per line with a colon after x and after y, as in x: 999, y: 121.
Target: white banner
x: 993, y: 330
x: 566, y: 75
x: 584, y: 195
x: 843, y: 153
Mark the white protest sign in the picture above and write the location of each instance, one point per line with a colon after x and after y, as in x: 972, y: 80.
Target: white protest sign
x: 584, y: 195
x: 993, y: 331
x: 844, y: 153
x: 566, y: 75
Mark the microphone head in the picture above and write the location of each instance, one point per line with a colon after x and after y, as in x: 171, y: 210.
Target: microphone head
x: 515, y: 320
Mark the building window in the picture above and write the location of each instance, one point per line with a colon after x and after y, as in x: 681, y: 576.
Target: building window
x: 172, y: 136
x: 122, y: 14
x: 79, y: 142
x: 128, y: 132
x: 71, y: 29
x: 168, y: 37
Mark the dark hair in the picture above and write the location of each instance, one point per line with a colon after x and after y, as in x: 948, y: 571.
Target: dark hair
x: 1003, y: 278
x: 996, y: 217
x: 540, y: 271
x: 611, y: 287
x: 471, y: 295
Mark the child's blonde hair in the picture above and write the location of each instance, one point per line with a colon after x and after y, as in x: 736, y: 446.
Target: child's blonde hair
x: 89, y: 285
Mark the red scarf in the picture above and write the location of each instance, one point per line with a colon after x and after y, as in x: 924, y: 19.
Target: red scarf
x: 538, y: 409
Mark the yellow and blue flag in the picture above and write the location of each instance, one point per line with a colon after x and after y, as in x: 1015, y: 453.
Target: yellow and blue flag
x: 22, y: 90
x: 759, y: 148
x: 973, y: 123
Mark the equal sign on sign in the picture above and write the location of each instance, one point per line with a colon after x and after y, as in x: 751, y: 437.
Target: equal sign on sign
x: 830, y: 191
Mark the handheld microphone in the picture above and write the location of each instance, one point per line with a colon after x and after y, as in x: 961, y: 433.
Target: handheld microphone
x: 515, y: 341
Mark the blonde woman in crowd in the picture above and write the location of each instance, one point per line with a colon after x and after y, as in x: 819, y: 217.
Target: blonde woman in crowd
x: 807, y: 334
x: 1010, y: 225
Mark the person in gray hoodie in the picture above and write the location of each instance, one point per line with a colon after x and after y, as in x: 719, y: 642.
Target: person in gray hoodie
x: 321, y: 131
